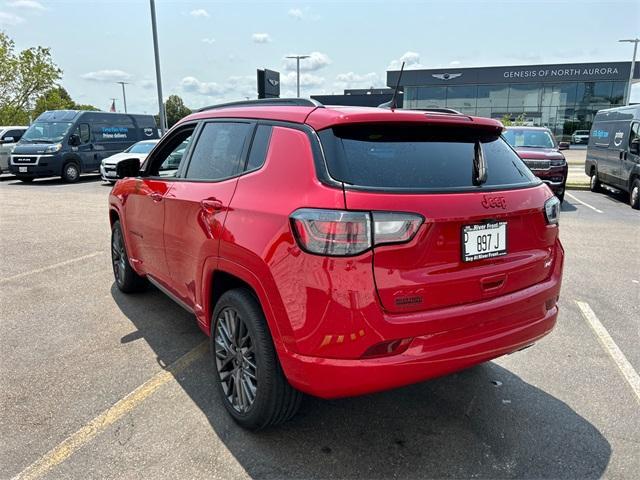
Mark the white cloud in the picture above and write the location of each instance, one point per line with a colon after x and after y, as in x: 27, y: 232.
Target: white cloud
x: 308, y: 80
x: 354, y: 80
x: 107, y: 76
x: 454, y: 63
x: 10, y: 19
x: 193, y: 85
x: 261, y: 38
x: 316, y: 61
x: 234, y: 87
x: 199, y: 12
x: 209, y: 41
x: 296, y: 13
x: 26, y: 4
x: 411, y: 61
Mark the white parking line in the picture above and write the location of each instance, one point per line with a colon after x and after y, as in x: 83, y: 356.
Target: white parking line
x: 50, y: 267
x: 583, y: 203
x: 629, y: 373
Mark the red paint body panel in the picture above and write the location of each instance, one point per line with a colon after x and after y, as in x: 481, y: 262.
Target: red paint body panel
x: 324, y: 312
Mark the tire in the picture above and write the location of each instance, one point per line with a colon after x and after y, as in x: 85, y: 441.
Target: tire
x: 25, y: 179
x: 71, y: 172
x: 594, y: 183
x: 255, y: 364
x: 127, y: 280
x: 634, y: 194
x: 561, y: 197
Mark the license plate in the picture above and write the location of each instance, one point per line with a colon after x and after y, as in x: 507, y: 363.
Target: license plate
x: 484, y: 240
x: 23, y: 169
x: 110, y: 174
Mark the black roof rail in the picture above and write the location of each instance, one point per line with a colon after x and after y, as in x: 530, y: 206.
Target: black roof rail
x: 267, y: 102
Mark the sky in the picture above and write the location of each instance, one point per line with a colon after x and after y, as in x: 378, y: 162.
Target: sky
x: 210, y: 50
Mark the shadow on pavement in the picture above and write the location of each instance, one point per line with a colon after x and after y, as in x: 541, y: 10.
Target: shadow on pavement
x: 89, y: 177
x: 484, y: 422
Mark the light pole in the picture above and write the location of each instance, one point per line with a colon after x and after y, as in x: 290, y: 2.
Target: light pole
x: 627, y: 94
x: 124, y: 95
x: 154, y: 29
x: 298, y: 57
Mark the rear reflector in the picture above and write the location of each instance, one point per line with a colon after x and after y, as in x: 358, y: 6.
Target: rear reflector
x: 346, y: 233
x: 389, y: 347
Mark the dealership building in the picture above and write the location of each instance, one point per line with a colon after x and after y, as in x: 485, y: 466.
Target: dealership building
x: 562, y: 97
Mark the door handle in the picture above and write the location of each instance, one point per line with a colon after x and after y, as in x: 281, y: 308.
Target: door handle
x: 211, y: 205
x: 155, y: 196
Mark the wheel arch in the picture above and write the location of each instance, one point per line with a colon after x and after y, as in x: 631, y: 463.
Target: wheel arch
x: 221, y: 275
x: 71, y: 157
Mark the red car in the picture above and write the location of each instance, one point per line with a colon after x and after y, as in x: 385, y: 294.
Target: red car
x: 539, y: 149
x: 338, y: 251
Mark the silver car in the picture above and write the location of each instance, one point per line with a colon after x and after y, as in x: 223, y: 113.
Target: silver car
x: 138, y: 150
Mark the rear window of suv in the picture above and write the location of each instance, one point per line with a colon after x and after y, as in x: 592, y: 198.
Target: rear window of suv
x: 420, y: 158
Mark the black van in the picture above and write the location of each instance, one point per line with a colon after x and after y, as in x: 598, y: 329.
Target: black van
x: 613, y: 152
x: 70, y: 142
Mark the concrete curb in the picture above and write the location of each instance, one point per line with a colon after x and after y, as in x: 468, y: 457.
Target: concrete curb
x: 577, y: 186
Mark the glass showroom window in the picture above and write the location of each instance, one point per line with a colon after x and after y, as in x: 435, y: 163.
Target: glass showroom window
x: 493, y: 96
x: 559, y: 94
x: 462, y: 98
x: 525, y: 95
x: 430, y: 97
x: 594, y: 92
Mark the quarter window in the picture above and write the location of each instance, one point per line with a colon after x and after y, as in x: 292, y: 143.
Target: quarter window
x: 218, y: 150
x: 259, y: 147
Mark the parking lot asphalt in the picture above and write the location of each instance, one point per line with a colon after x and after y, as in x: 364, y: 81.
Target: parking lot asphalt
x: 96, y: 384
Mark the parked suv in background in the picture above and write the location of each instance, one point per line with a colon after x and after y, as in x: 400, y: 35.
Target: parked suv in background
x: 339, y: 251
x: 540, y: 151
x: 580, y: 136
x: 138, y: 150
x: 9, y: 136
x: 613, y: 153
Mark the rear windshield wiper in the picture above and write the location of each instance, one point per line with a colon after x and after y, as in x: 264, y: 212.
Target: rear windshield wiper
x: 479, y: 165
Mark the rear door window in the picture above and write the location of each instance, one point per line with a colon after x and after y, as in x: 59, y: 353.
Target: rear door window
x: 219, y: 150
x: 423, y: 158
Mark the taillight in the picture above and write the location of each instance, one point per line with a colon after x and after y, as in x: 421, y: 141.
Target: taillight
x: 391, y: 227
x: 345, y: 233
x: 552, y: 210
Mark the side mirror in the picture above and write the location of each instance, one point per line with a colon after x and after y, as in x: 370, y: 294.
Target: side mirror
x: 74, y: 140
x: 564, y: 146
x: 635, y: 147
x: 8, y: 140
x: 129, y: 167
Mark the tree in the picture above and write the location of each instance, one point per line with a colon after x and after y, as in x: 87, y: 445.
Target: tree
x: 175, y: 110
x: 23, y: 77
x: 57, y: 98
x: 508, y: 121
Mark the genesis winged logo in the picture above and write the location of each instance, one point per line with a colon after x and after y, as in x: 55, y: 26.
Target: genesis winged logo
x: 273, y: 82
x: 446, y: 76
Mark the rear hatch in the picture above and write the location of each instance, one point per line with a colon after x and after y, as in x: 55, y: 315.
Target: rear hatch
x: 479, y: 239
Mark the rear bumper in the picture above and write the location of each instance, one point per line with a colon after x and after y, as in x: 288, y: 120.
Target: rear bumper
x: 509, y: 323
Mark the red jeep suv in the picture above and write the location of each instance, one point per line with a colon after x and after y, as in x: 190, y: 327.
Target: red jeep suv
x: 339, y: 251
x: 540, y: 151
